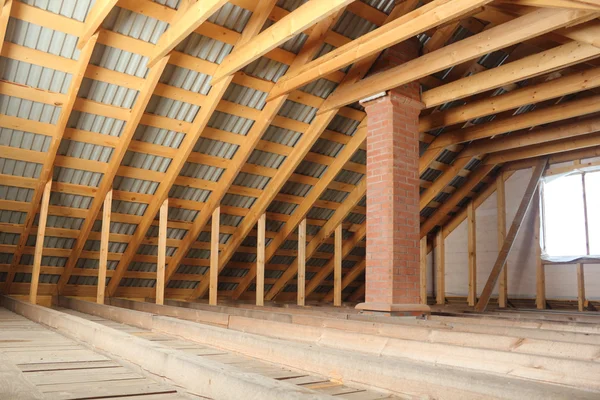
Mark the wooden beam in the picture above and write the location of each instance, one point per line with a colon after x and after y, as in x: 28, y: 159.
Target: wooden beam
x: 292, y: 24
x: 522, y: 28
x: 501, y: 226
x: 563, y: 86
x: 267, y: 115
x: 45, y: 174
x: 301, y: 281
x: 511, y: 236
x: 163, y: 216
x: 571, y: 109
x: 537, y: 136
x: 442, y: 211
x: 94, y: 20
x: 6, y: 6
x: 112, y: 169
x: 214, y: 256
x: 260, y: 260
x: 402, y: 26
x: 103, y: 262
x: 423, y: 270
x: 188, y: 18
x: 440, y: 268
x: 554, y: 147
x: 326, y: 270
x: 358, y: 294
x: 350, y: 277
x: 442, y: 181
x: 472, y: 251
x: 39, y: 244
x: 337, y: 267
x: 577, y: 5
x: 580, y: 287
x: 193, y: 133
x: 324, y: 233
x: 315, y: 193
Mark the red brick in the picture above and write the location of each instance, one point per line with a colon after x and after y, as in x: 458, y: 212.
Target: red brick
x: 392, y: 260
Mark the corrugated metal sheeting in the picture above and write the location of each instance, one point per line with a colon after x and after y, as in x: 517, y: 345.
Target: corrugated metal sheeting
x: 145, y: 28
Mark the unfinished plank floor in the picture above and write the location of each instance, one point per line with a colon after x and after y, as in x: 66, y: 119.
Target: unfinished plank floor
x: 38, y: 363
x: 320, y: 384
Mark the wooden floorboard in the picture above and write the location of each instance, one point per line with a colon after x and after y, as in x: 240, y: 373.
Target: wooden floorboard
x: 322, y: 385
x: 37, y: 363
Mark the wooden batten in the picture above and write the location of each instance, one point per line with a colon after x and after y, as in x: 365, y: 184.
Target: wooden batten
x: 520, y: 90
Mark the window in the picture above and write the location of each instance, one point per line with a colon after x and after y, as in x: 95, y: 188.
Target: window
x: 571, y: 215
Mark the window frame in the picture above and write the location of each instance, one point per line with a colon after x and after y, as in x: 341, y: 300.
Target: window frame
x: 542, y: 216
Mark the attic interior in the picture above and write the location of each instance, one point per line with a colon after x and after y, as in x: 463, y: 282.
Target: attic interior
x: 218, y: 199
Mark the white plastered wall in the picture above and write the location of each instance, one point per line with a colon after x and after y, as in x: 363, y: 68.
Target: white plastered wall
x: 561, y: 280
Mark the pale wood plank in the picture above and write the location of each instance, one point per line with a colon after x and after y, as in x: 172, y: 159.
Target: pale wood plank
x: 104, y: 247
x: 511, y: 236
x: 214, y: 256
x: 301, y: 281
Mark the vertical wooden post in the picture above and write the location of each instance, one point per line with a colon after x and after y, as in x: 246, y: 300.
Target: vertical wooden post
x: 580, y: 287
x: 337, y: 267
x: 163, y: 216
x: 501, y: 214
x: 440, y: 268
x: 472, y: 297
x: 102, y: 265
x: 540, y: 270
x: 260, y: 260
x: 423, y: 270
x: 486, y: 293
x: 39, y: 243
x: 214, y: 256
x: 301, y: 262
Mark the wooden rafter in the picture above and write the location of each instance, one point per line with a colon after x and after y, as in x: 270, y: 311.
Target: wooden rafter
x: 325, y: 232
x: 357, y: 71
x: 192, y: 135
x: 94, y: 20
x: 534, y: 65
x: 327, y: 269
x: 558, y: 146
x: 538, y: 136
x: 190, y: 16
x: 315, y: 193
x: 297, y: 21
x: 4, y: 16
x: 507, y: 34
x: 571, y: 109
x: 266, y: 117
x: 350, y: 277
x: 472, y: 180
x: 48, y: 163
x: 403, y: 25
x: 511, y: 235
x: 112, y: 168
